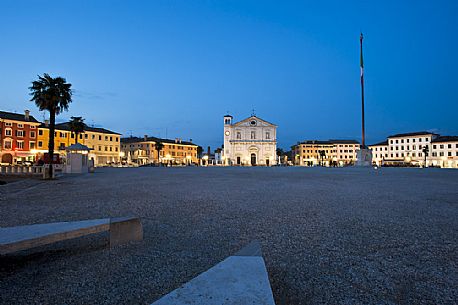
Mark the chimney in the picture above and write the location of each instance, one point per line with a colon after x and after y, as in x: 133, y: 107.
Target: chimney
x: 46, y: 123
x: 145, y: 137
x: 27, y: 114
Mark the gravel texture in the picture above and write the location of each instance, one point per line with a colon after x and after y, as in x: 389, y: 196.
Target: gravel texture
x: 329, y: 235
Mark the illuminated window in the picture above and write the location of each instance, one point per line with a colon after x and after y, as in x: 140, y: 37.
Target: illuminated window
x: 7, y: 144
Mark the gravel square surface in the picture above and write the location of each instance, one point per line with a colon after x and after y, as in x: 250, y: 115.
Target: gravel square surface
x: 328, y: 235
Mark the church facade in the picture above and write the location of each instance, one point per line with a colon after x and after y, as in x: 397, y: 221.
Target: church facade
x: 250, y: 142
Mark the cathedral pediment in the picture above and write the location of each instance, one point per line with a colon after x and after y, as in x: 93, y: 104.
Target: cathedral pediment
x: 254, y: 121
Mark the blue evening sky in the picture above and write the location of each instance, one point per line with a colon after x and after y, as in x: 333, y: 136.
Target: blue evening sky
x: 176, y: 67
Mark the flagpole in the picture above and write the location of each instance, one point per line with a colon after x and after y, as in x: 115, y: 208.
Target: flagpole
x: 362, y: 93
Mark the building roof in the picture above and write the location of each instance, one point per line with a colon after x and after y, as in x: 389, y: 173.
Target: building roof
x: 344, y: 141
x: 16, y: 117
x: 380, y: 143
x: 316, y: 142
x: 412, y: 134
x: 66, y: 126
x: 154, y: 139
x: 78, y: 146
x: 445, y: 139
x: 329, y: 142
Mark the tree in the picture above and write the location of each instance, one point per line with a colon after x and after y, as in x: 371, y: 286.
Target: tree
x: 322, y: 155
x: 280, y: 153
x: 425, y: 151
x: 159, y: 146
x: 77, y: 126
x: 199, y: 151
x: 53, y: 95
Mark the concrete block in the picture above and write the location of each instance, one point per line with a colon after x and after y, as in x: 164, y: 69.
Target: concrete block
x: 125, y: 229
x: 122, y: 230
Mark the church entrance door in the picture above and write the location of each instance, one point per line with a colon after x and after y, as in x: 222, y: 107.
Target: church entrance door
x: 267, y: 162
x: 238, y: 160
x: 253, y: 159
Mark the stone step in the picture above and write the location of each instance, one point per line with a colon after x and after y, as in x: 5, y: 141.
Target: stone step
x: 239, y: 279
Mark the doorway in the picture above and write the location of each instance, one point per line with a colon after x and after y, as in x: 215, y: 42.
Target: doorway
x: 267, y: 162
x: 253, y: 159
x: 238, y: 160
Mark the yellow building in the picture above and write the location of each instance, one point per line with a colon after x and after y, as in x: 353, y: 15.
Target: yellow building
x: 105, y: 144
x: 143, y: 151
x: 336, y: 152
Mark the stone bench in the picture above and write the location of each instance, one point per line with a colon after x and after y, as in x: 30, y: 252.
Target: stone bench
x: 122, y: 230
x: 239, y: 279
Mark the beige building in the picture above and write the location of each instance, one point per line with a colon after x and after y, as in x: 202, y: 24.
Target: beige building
x: 105, y: 144
x: 335, y: 152
x: 143, y: 151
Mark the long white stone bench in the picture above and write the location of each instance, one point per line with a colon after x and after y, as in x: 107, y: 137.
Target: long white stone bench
x: 239, y: 279
x: 122, y: 230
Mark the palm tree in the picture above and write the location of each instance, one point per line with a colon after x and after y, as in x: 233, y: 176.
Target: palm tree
x: 322, y: 156
x: 159, y: 146
x: 77, y: 126
x: 425, y: 151
x: 53, y: 95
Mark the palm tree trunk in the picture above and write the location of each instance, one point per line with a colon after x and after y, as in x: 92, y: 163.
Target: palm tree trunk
x: 52, y: 127
x: 76, y: 138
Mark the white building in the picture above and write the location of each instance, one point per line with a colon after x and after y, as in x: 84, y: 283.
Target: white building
x: 444, y: 152
x: 379, y: 152
x: 252, y: 141
x: 408, y: 149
